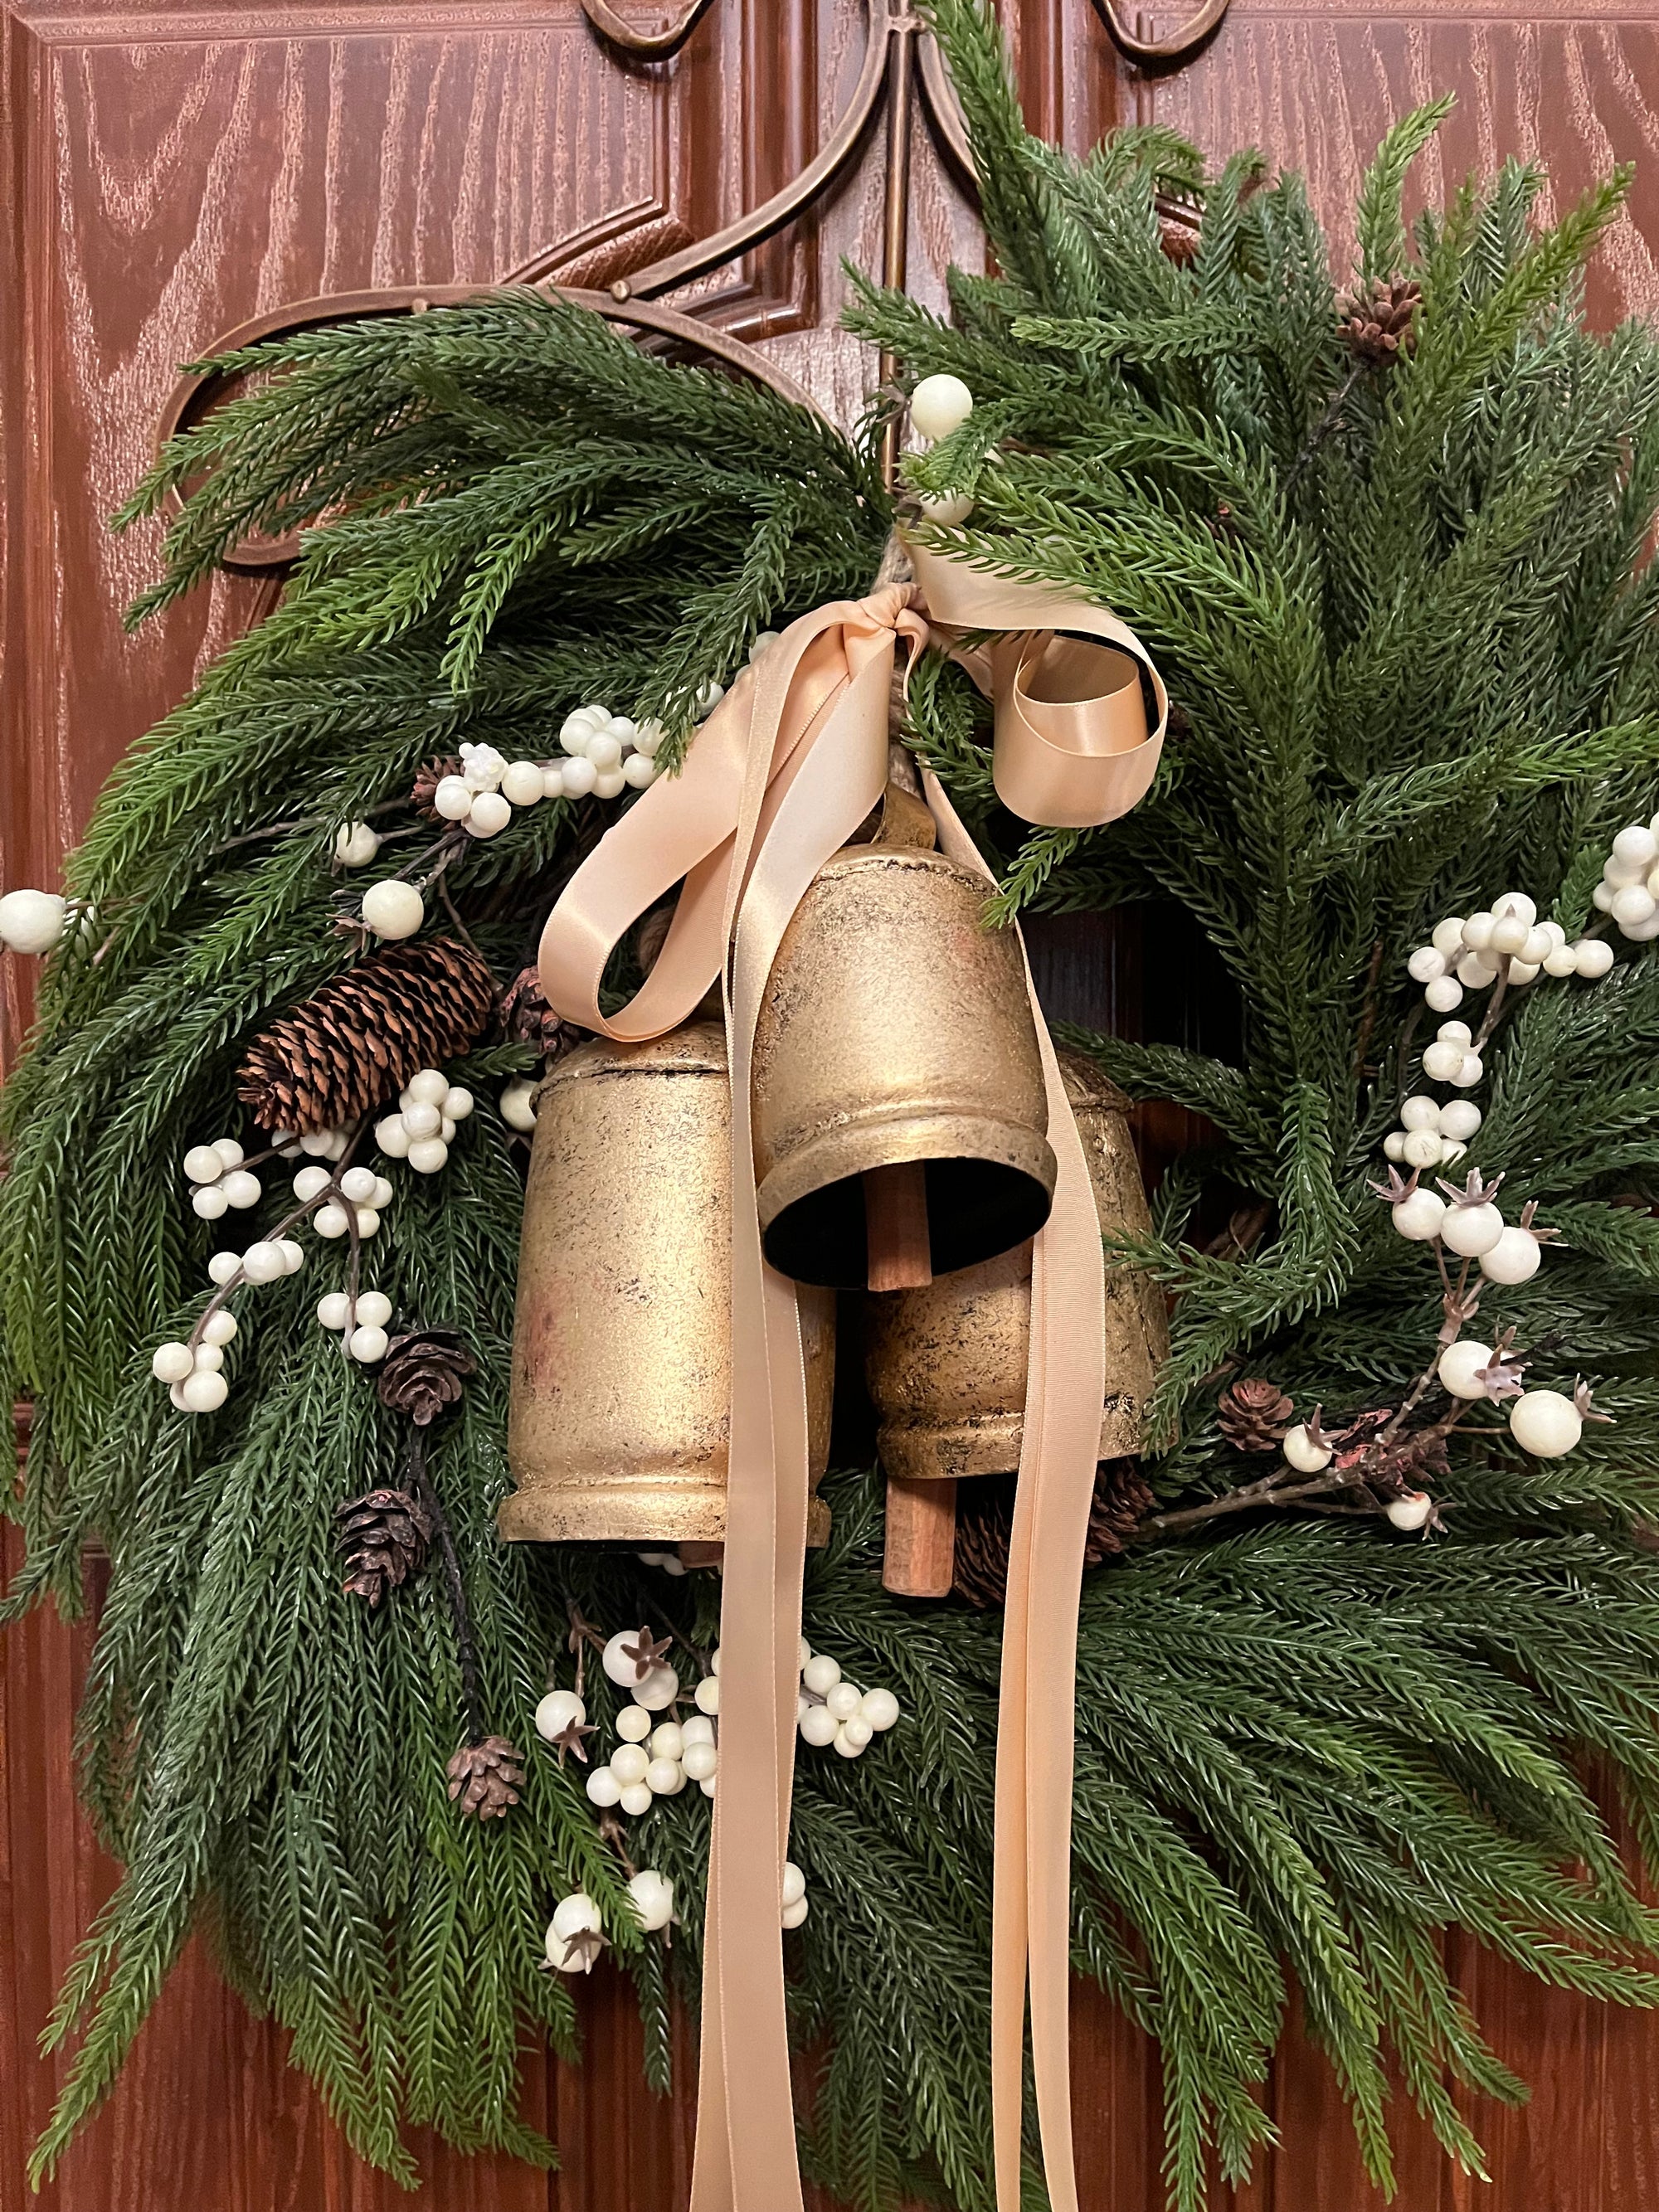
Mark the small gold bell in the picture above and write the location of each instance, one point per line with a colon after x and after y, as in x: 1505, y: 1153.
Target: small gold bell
x: 895, y: 1039
x: 945, y: 1363
x: 622, y: 1351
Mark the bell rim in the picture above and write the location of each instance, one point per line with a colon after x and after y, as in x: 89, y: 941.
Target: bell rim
x: 596, y: 1513
x: 951, y: 1451
x: 982, y: 1141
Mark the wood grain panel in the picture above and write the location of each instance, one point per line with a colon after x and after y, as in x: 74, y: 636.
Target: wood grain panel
x: 1316, y: 90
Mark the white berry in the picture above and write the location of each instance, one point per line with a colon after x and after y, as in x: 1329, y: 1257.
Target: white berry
x: 1448, y: 936
x: 452, y: 799
x: 1442, y: 1060
x: 356, y: 844
x: 629, y: 1762
x: 521, y: 783
x: 1394, y: 1144
x: 1459, y: 1365
x: 330, y: 1220
x: 204, y: 1391
x: 580, y: 777
x: 311, y: 1182
x: 1635, y: 846
x: 639, y: 771
x: 1426, y: 964
x: 427, y: 1155
x: 706, y: 1696
x: 603, y: 1787
x: 263, y: 1262
x: 1593, y: 957
x: 658, y: 1689
x: 553, y: 780
x: 334, y: 1309
x: 653, y: 1895
x: 368, y: 1345
x: 575, y: 730
x: 489, y: 817
x: 1469, y: 1231
x: 1459, y: 1119
x: 1476, y: 971
x: 1515, y: 1258
x: 1420, y: 1113
x: 817, y: 1726
x: 1303, y: 1454
x: 209, y: 1202
x: 821, y: 1673
x: 32, y: 922
x: 171, y: 1362
x: 1509, y: 933
x: 843, y: 1699
x: 699, y: 1760
x: 1419, y: 1216
x: 664, y: 1778
x: 635, y: 1799
x: 939, y: 405
x: 224, y: 1267
x: 1445, y: 996
x: 880, y: 1708
x: 1421, y: 1149
x: 203, y: 1165
x: 1477, y: 931
x: 1411, y: 1512
x: 1542, y: 1422
x: 1470, y: 1070
x: 240, y: 1188
x: 393, y: 909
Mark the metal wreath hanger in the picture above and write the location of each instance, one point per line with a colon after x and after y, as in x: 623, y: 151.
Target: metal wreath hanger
x: 901, y: 62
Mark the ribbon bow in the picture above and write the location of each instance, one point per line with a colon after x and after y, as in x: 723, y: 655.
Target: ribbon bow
x: 781, y: 775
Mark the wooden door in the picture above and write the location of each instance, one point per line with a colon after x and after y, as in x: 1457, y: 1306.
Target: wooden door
x: 173, y: 166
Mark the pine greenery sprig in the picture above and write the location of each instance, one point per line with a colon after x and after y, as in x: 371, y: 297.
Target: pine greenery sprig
x: 1408, y: 618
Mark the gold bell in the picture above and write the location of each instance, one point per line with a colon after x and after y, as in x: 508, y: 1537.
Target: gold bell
x: 896, y: 1040
x: 621, y: 1370
x: 945, y: 1363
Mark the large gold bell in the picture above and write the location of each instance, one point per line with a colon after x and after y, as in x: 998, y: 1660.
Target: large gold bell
x: 621, y: 1346
x: 895, y: 1033
x: 945, y: 1363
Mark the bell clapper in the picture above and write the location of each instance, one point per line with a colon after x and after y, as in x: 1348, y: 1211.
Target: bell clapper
x: 895, y: 1226
x: 920, y: 1558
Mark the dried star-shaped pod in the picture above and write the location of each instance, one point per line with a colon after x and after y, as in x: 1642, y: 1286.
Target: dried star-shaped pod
x: 1542, y: 1236
x: 570, y: 1738
x: 1501, y: 1376
x: 1474, y: 1191
x: 646, y: 1653
x: 1585, y: 1404
x: 1397, y: 1187
x: 583, y: 1948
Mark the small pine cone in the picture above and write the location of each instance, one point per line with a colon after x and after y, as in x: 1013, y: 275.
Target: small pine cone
x: 1123, y: 1499
x: 527, y: 1017
x: 485, y: 1777
x: 1254, y: 1416
x: 985, y: 1523
x: 384, y: 1537
x: 424, y: 1371
x: 358, y: 1041
x: 427, y: 777
x: 1383, y: 325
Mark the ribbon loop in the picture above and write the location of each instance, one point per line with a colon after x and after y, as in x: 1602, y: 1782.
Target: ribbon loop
x: 782, y: 773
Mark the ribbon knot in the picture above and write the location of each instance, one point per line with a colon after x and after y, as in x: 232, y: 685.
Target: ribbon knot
x: 781, y: 775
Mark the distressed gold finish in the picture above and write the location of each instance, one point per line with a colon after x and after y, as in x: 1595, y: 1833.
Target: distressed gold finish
x: 621, y: 1370
x: 945, y: 1364
x: 896, y: 1027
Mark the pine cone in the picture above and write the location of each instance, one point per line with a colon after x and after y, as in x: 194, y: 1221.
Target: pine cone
x: 985, y: 1521
x: 1254, y: 1416
x: 527, y: 1016
x: 357, y: 1041
x: 423, y: 1371
x: 1178, y: 241
x: 427, y: 777
x: 485, y: 1777
x: 383, y: 1536
x: 1381, y: 326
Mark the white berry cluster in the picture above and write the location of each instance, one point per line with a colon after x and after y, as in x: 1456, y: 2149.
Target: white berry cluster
x: 361, y: 1196
x: 360, y: 1322
x: 1471, y: 952
x: 222, y: 1182
x: 606, y: 755
x: 32, y: 922
x: 1431, y: 1135
x: 1454, y: 1056
x: 191, y: 1371
x: 655, y: 1759
x: 1467, y: 1222
x: 1548, y: 1424
x: 429, y: 1107
x: 1628, y: 889
x: 575, y: 1935
x: 832, y: 1712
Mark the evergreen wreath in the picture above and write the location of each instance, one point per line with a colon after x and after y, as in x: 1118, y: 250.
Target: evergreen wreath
x: 1391, y: 553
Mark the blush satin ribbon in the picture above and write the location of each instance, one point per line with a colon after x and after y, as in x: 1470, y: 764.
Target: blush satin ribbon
x: 780, y: 777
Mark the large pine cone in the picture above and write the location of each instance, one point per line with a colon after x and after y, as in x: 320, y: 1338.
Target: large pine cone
x: 484, y: 1777
x: 1254, y: 1416
x: 384, y: 1537
x: 1383, y: 325
x: 985, y: 1523
x: 356, y: 1042
x: 423, y: 1371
